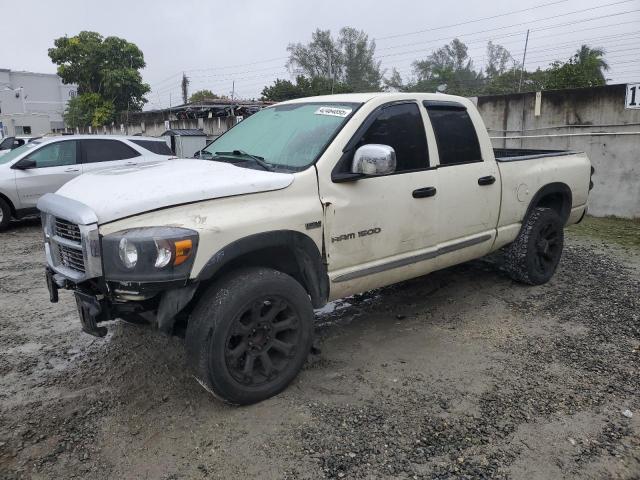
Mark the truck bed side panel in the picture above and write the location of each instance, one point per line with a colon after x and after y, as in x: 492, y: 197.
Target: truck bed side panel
x: 522, y: 180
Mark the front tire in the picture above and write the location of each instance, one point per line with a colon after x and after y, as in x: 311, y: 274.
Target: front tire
x: 5, y: 214
x: 534, y: 255
x: 249, y: 335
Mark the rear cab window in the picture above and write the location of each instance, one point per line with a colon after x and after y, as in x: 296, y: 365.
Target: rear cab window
x: 154, y: 146
x: 455, y: 133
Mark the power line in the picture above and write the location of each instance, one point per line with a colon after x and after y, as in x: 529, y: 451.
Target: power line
x: 517, y: 24
x: 499, y: 28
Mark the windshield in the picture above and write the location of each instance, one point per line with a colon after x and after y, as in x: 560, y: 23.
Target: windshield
x: 287, y: 137
x: 15, y: 153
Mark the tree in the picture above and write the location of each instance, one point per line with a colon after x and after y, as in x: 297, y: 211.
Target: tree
x: 108, y: 67
x: 449, y: 66
x: 89, y: 109
x: 497, y: 59
x: 348, y: 59
x: 282, y: 90
x: 185, y: 88
x: 394, y: 82
x: 584, y: 69
x: 202, y: 95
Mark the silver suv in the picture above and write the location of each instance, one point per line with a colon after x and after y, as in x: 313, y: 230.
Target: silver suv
x: 44, y: 165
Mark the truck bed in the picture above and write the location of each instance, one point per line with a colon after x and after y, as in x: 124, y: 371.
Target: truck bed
x: 516, y: 154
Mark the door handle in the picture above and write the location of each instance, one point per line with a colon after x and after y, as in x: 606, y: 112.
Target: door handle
x: 72, y: 170
x: 488, y: 180
x: 424, y: 192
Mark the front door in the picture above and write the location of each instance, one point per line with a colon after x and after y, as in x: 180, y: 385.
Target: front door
x: 55, y: 164
x: 383, y: 229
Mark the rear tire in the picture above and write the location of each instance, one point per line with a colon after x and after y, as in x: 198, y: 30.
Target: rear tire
x: 534, y: 255
x: 249, y: 335
x: 5, y: 214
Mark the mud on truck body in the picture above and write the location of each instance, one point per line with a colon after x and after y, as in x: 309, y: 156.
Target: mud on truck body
x: 304, y: 202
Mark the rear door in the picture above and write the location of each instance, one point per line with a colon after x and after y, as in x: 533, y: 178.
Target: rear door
x: 99, y: 153
x: 469, y: 185
x: 55, y: 164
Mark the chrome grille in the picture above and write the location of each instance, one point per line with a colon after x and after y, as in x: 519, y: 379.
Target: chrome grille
x: 67, y: 230
x: 70, y: 258
x: 71, y: 238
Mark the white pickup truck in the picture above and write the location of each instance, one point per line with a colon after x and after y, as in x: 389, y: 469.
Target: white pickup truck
x: 304, y: 202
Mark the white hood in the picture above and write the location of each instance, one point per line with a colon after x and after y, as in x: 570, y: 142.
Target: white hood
x: 121, y: 192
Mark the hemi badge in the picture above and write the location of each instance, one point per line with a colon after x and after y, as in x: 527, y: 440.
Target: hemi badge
x: 312, y: 225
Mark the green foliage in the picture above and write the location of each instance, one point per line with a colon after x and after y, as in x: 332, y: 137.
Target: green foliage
x: 89, y: 109
x: 108, y: 67
x: 282, y: 90
x: 348, y: 59
x: 450, y: 66
x: 202, y: 95
x: 585, y: 69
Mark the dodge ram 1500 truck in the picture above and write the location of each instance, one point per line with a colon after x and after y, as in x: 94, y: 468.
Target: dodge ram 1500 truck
x: 304, y: 202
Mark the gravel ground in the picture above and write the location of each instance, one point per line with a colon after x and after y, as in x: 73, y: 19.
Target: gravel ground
x: 460, y: 374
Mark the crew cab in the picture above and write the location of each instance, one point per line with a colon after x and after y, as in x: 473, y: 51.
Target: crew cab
x: 42, y: 165
x: 304, y: 202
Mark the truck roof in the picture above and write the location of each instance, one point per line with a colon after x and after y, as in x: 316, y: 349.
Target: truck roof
x: 365, y: 97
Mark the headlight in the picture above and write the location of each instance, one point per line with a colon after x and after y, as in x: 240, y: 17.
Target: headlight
x: 152, y: 254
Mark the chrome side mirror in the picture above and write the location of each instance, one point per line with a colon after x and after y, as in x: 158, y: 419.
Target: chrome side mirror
x: 374, y: 159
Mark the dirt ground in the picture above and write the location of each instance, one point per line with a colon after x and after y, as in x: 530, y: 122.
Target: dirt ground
x: 460, y: 374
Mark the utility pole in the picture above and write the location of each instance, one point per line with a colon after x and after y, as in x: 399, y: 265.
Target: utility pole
x: 524, y: 57
x: 330, y: 72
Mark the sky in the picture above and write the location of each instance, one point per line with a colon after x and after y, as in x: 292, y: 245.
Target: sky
x: 216, y: 43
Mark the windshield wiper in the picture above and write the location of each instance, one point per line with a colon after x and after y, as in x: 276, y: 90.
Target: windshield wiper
x: 241, y: 153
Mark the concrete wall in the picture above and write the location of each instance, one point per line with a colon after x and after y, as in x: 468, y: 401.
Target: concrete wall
x: 592, y: 120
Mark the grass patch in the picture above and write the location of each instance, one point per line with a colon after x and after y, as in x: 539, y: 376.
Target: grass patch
x: 622, y: 231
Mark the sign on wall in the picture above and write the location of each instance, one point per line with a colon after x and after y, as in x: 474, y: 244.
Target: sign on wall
x: 633, y: 96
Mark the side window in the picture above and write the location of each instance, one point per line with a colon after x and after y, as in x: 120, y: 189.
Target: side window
x: 55, y: 155
x: 401, y: 127
x: 154, y: 146
x: 101, y: 150
x: 6, y: 144
x: 455, y: 134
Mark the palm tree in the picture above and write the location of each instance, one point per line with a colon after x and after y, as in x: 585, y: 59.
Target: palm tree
x: 592, y: 59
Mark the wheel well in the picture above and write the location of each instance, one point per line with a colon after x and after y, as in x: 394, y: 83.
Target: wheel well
x: 289, y: 252
x: 556, y: 196
x: 6, y: 199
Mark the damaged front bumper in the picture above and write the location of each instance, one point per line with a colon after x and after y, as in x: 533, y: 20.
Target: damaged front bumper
x: 73, y: 248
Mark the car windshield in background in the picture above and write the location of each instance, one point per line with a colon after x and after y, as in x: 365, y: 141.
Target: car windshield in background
x: 154, y: 146
x: 16, y: 152
x: 287, y: 137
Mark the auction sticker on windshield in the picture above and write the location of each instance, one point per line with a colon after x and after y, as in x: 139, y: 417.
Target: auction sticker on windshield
x: 333, y: 111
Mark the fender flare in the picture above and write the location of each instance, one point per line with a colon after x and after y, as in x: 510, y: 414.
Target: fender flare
x: 311, y: 268
x: 553, y: 188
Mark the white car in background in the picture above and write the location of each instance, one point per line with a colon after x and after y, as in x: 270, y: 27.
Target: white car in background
x: 10, y: 143
x: 43, y: 165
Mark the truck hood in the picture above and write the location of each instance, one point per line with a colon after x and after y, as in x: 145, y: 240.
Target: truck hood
x: 125, y: 191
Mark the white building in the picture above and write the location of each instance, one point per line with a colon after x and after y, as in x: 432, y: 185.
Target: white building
x: 32, y: 103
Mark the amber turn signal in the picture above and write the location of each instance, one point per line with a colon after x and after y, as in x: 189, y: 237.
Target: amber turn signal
x: 183, y: 249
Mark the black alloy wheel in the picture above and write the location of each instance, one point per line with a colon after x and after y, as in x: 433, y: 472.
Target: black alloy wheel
x: 262, y: 341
